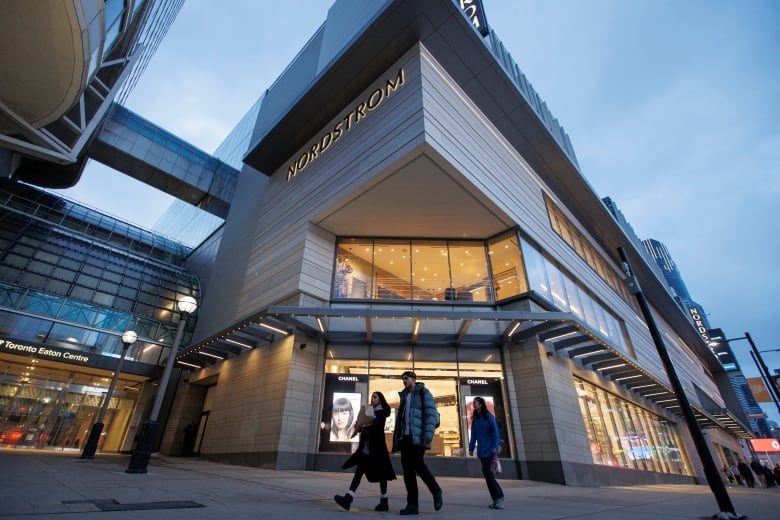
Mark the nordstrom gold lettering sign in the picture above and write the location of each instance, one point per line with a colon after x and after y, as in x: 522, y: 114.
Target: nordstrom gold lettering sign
x: 346, y: 123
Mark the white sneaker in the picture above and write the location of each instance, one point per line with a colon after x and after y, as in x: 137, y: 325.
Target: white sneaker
x: 497, y: 504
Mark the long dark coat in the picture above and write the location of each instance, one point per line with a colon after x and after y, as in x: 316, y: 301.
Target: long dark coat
x: 376, y: 463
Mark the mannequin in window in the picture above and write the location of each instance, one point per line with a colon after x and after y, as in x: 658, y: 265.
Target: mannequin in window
x: 343, y: 284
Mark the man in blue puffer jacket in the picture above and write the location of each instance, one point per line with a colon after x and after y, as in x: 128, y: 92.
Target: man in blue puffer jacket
x: 415, y: 423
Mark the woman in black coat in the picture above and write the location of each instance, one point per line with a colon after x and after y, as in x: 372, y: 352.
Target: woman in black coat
x: 371, y: 456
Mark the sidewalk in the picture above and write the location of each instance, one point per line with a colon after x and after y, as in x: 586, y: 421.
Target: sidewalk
x: 52, y: 485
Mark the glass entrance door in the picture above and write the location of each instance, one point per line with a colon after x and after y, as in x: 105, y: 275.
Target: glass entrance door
x: 49, y: 408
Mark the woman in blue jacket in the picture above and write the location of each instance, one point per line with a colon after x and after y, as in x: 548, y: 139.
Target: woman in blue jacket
x: 484, y: 434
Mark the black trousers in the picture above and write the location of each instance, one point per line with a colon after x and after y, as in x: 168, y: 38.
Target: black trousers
x: 359, y: 475
x: 413, y: 465
x: 490, y: 479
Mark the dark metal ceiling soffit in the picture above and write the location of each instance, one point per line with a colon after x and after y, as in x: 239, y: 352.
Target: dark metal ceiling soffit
x: 560, y: 332
x: 350, y: 326
x: 592, y: 353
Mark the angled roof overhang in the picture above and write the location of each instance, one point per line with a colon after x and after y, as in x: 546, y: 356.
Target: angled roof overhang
x: 560, y: 332
x: 592, y: 353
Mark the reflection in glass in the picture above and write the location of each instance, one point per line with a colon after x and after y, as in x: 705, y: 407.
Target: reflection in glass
x: 624, y: 435
x: 506, y: 265
x: 430, y: 271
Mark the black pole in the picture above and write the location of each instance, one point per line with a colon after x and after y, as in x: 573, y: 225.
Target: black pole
x: 139, y: 459
x: 766, y: 383
x: 766, y: 375
x: 710, y: 469
x: 90, y: 447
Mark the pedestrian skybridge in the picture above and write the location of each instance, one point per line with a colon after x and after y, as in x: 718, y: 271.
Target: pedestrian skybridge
x: 142, y: 150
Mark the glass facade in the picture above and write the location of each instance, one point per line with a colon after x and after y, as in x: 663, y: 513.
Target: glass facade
x: 450, y: 271
x: 454, y: 377
x: 572, y: 236
x: 49, y: 408
x: 412, y: 270
x: 624, y: 435
x: 73, y: 278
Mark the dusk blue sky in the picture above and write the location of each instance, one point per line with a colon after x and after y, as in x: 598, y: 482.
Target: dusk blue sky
x: 672, y: 107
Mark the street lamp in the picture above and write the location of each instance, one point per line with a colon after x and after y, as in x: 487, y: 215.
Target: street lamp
x: 143, y: 449
x: 759, y: 361
x: 90, y: 447
x: 711, y: 471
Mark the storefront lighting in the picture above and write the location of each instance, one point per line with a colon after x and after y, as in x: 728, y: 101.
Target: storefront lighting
x: 618, y: 365
x: 275, y: 329
x: 209, y: 355
x: 321, y: 324
x: 559, y: 336
x: 589, y: 353
x: 189, y: 364
x: 234, y: 342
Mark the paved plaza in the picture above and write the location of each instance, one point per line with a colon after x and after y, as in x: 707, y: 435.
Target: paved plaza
x: 61, y: 486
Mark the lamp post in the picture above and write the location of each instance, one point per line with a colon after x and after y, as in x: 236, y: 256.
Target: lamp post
x: 90, y: 447
x: 766, y: 376
x: 711, y: 471
x: 139, y: 460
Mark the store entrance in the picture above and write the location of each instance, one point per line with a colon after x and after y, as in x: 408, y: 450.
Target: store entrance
x: 46, y: 405
x: 349, y: 381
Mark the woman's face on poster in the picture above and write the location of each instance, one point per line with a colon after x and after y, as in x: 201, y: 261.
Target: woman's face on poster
x: 341, y: 419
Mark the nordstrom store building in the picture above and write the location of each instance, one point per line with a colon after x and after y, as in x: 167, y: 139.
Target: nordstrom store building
x: 408, y: 202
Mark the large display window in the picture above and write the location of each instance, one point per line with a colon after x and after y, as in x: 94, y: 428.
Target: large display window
x: 465, y: 272
x: 454, y: 377
x: 403, y: 270
x: 624, y: 435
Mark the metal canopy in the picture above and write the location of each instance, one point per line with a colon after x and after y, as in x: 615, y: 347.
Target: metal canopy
x: 594, y: 354
x: 562, y: 333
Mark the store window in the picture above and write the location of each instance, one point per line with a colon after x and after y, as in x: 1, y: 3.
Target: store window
x: 454, y: 377
x: 404, y: 270
x: 506, y: 264
x: 549, y: 282
x: 622, y: 434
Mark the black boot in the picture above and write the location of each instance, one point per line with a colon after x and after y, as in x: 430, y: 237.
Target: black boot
x: 344, y: 501
x: 382, y: 505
